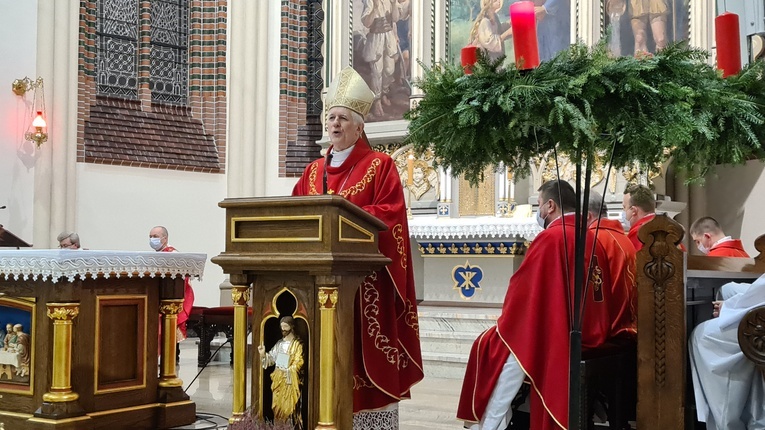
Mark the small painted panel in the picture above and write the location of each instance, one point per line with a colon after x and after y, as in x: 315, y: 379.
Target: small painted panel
x: 17, y: 350
x: 467, y: 279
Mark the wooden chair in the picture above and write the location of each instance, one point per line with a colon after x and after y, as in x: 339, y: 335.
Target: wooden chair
x: 214, y: 321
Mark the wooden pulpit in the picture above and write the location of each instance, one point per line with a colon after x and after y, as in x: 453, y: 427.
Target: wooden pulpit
x: 10, y: 240
x: 304, y: 257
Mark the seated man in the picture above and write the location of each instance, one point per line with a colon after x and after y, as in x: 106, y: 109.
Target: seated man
x: 531, y: 338
x: 728, y: 389
x: 158, y: 242
x: 639, y: 207
x: 68, y: 240
x: 711, y: 240
x: 621, y: 263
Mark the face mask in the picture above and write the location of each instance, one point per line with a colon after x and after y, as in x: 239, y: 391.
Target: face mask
x: 155, y: 243
x: 624, y: 220
x: 540, y: 220
x: 703, y: 249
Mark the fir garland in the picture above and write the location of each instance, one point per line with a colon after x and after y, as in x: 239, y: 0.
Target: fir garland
x: 584, y: 103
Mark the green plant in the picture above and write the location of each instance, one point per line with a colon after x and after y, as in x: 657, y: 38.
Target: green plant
x: 584, y: 103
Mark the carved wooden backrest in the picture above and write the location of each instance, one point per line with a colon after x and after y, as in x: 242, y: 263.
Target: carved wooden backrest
x: 661, y: 326
x: 751, y: 337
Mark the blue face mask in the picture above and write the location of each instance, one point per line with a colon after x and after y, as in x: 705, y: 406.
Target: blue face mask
x: 623, y: 218
x: 541, y: 221
x: 155, y: 243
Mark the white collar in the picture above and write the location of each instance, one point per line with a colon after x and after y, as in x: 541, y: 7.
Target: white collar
x: 339, y: 157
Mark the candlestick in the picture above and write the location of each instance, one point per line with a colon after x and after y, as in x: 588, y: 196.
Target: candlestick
x: 524, y: 24
x: 409, y: 169
x: 727, y: 37
x: 469, y: 56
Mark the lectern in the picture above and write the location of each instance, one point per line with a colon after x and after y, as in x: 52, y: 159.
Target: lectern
x: 304, y: 257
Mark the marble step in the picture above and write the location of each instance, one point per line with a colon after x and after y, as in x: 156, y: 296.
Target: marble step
x: 468, y: 320
x: 444, y: 365
x: 446, y: 341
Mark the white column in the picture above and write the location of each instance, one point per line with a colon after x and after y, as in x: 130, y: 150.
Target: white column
x: 55, y: 171
x: 702, y: 25
x: 500, y: 178
x: 247, y: 88
x: 448, y: 182
x: 419, y: 25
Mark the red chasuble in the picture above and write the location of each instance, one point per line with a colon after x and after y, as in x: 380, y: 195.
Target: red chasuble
x: 633, y: 233
x: 188, y: 299
x: 620, y: 258
x: 387, y: 357
x: 729, y: 248
x: 534, y: 326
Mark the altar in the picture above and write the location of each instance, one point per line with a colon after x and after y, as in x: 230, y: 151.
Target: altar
x: 81, y: 335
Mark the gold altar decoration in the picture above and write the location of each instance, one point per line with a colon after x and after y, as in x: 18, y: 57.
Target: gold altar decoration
x: 240, y: 294
x: 169, y: 309
x: 62, y: 315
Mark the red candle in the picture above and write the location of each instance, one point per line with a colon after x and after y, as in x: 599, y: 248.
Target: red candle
x: 524, y: 24
x: 469, y: 56
x: 728, y: 39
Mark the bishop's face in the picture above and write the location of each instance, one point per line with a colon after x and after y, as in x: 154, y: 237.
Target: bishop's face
x: 343, y: 128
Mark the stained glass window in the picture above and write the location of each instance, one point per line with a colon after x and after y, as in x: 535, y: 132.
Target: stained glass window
x: 169, y: 51
x: 117, y: 39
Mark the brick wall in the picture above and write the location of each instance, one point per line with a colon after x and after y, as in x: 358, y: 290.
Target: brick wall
x: 154, y: 135
x: 300, y: 85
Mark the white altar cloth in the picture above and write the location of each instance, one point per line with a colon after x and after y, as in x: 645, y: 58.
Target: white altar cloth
x: 71, y: 264
x: 432, y: 227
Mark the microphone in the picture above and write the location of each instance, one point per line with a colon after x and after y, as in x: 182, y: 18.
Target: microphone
x: 326, y: 163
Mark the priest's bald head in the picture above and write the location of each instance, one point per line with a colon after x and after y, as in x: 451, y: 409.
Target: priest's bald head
x: 555, y: 198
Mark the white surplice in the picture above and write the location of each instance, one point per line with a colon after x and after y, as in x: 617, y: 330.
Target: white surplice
x: 729, y: 391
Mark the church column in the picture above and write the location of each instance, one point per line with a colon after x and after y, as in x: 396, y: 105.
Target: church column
x: 247, y: 89
x: 419, y: 25
x: 55, y: 171
x: 240, y: 295
x: 701, y: 34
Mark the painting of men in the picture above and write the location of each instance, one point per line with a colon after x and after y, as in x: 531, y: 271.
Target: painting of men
x: 381, y: 41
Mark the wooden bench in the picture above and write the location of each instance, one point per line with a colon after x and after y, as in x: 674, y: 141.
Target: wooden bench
x: 207, y: 323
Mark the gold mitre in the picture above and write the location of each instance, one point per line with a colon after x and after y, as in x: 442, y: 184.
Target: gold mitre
x: 349, y: 90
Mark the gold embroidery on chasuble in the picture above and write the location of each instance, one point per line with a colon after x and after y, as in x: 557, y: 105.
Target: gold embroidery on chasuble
x: 359, y: 187
x: 312, y: 179
x: 371, y: 297
x: 411, y: 318
x: 397, y: 234
x: 596, y: 281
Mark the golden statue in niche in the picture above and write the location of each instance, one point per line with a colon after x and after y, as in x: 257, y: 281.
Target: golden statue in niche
x: 286, y: 379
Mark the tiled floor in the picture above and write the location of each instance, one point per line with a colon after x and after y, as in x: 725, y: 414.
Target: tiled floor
x: 433, y: 404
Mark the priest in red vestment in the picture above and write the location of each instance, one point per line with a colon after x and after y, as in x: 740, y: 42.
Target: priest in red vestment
x: 621, y: 263
x: 158, y: 242
x: 639, y: 206
x: 711, y: 240
x: 531, y: 338
x: 387, y: 361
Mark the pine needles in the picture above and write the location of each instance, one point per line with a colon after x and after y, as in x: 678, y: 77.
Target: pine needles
x: 672, y: 104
